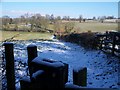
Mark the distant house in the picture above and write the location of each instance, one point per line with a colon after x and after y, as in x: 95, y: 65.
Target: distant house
x: 111, y: 20
x: 28, y: 25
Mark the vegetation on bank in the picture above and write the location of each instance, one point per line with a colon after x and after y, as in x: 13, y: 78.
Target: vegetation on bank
x: 81, y: 31
x: 86, y: 39
x: 16, y: 35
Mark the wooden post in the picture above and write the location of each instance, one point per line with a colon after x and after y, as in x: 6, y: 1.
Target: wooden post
x: 25, y: 84
x: 32, y: 53
x: 80, y: 76
x: 66, y: 72
x: 107, y: 35
x: 10, y: 72
x: 106, y: 39
x: 101, y: 42
x: 113, y: 44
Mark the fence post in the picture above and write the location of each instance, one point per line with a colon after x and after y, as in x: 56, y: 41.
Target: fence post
x: 32, y: 53
x: 113, y: 45
x: 107, y: 33
x: 106, y: 38
x: 80, y: 76
x: 10, y: 72
x: 101, y: 42
x: 66, y: 72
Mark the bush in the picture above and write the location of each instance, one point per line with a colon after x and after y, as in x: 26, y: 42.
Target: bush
x: 87, y: 40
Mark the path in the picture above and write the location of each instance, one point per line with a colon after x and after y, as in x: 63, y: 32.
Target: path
x: 102, y: 69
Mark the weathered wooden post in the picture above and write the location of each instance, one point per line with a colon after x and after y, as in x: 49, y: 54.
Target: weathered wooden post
x: 25, y: 83
x: 80, y: 76
x: 107, y: 33
x: 113, y: 43
x: 100, y: 41
x: 66, y: 72
x: 10, y: 72
x: 106, y: 39
x: 32, y: 53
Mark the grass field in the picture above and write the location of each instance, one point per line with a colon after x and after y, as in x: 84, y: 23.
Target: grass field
x: 95, y: 26
x: 79, y: 27
x: 23, y: 35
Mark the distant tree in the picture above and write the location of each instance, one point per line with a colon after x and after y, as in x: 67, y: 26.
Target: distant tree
x: 94, y: 18
x: 101, y: 19
x: 47, y: 16
x: 110, y: 17
x: 98, y: 18
x: 41, y: 21
x: 57, y: 26
x: 11, y: 21
x: 65, y: 18
x: 52, y: 19
x: 16, y: 21
x: 68, y: 18
x: 69, y: 27
x: 32, y: 21
x: 26, y: 18
x: 5, y: 22
x: 58, y: 18
x: 23, y: 19
x: 80, y: 18
x: 84, y: 20
x: 37, y: 20
x: 16, y: 27
x: 44, y: 22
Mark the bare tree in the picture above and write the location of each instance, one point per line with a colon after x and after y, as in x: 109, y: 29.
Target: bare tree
x: 52, y: 19
x: 58, y: 27
x: 102, y: 19
x: 5, y: 22
x: 80, y: 18
x: 69, y: 27
x: 44, y: 22
x: 94, y: 18
x: 23, y: 19
x: 58, y: 18
x: 32, y: 21
x: 16, y: 21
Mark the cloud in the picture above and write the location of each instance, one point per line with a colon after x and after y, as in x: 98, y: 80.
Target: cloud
x: 23, y: 12
x: 17, y: 13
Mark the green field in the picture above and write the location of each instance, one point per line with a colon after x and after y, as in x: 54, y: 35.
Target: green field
x: 79, y: 27
x: 95, y: 26
x: 23, y: 35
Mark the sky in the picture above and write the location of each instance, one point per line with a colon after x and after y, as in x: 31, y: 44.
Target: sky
x: 60, y: 0
x: 72, y: 9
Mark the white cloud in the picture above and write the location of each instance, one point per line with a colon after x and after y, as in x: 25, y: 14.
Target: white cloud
x: 19, y: 12
x: 14, y: 13
x: 23, y: 12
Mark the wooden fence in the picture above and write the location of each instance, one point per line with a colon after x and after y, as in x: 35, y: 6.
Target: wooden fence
x: 109, y: 42
x: 44, y: 73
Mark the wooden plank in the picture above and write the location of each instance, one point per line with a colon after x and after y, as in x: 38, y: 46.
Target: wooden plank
x: 10, y: 72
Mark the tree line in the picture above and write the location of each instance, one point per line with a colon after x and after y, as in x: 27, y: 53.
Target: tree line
x: 47, y: 23
x: 36, y: 22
